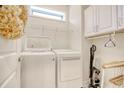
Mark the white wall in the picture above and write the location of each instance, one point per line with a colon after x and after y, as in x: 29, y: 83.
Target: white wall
x: 57, y: 31
x: 105, y: 55
x: 102, y: 55
x: 110, y: 54
x: 86, y: 44
x: 77, y: 40
x: 7, y: 45
x: 75, y: 26
x: 57, y: 26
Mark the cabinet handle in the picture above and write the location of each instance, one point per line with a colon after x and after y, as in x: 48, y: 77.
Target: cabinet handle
x: 20, y: 59
x: 53, y: 59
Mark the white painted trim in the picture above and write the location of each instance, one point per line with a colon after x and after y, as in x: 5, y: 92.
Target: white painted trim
x: 8, y: 79
x: 4, y: 55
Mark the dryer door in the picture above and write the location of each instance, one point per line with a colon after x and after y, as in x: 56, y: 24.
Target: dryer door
x: 70, y: 71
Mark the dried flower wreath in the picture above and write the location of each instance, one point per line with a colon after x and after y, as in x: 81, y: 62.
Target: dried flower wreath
x: 12, y: 20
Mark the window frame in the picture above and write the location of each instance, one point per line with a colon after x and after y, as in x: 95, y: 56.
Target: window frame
x: 48, y: 12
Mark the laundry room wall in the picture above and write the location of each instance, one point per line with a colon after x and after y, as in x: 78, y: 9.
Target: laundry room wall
x: 7, y: 45
x: 102, y: 55
x: 77, y: 39
x: 57, y: 31
x: 36, y: 25
x: 75, y: 26
x: 105, y: 55
x: 85, y: 46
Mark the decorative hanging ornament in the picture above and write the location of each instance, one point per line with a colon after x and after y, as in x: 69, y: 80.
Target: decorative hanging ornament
x: 12, y: 20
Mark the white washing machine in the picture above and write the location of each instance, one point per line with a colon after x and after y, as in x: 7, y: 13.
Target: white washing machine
x: 38, y: 63
x: 38, y: 70
x: 69, y: 69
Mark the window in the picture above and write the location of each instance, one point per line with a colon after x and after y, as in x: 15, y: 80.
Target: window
x: 46, y: 13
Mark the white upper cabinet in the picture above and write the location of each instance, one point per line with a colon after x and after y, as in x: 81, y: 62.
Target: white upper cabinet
x: 106, y: 18
x: 100, y: 20
x: 90, y: 20
x: 120, y: 17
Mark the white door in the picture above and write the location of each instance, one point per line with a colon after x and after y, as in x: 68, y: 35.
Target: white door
x: 90, y: 21
x: 106, y: 18
x: 38, y: 71
x: 9, y: 72
x: 121, y: 17
x: 70, y: 72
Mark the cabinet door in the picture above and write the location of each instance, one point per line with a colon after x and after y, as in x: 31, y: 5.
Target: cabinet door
x: 106, y: 19
x: 70, y: 72
x: 121, y: 17
x: 38, y: 71
x: 9, y: 72
x: 90, y: 20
